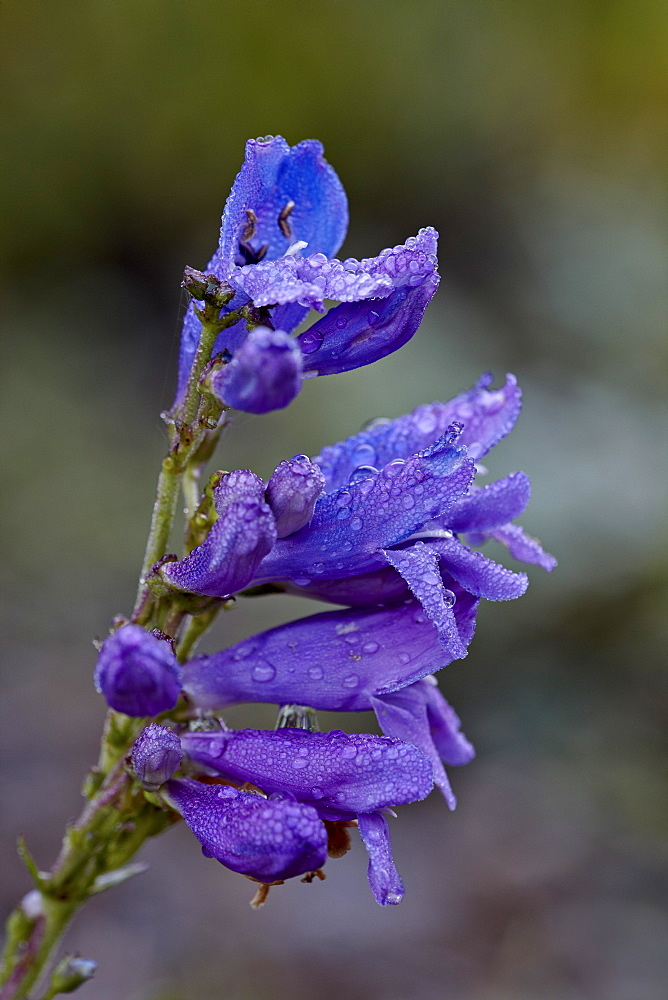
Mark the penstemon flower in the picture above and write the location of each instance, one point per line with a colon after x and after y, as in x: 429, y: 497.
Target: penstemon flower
x: 384, y: 524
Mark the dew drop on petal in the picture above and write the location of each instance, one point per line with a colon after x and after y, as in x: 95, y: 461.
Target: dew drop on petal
x: 362, y: 472
x: 263, y: 672
x: 302, y: 581
x: 299, y: 762
x: 393, y: 468
x: 351, y: 681
x: 405, y: 657
x: 342, y: 323
x: 370, y: 647
x: 343, y: 498
x: 372, y: 317
x: 356, y: 523
x: 317, y: 792
x: 408, y: 501
x: 343, y: 513
x: 315, y: 673
x: 311, y: 341
x: 449, y: 598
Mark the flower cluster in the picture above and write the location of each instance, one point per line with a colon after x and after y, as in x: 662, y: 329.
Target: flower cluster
x: 382, y: 524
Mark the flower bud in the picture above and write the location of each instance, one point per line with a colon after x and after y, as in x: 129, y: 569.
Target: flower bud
x: 292, y: 492
x: 137, y: 672
x: 265, y: 373
x: 71, y: 973
x: 156, y: 755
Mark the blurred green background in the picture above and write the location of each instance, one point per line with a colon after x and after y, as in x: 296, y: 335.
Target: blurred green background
x: 532, y: 135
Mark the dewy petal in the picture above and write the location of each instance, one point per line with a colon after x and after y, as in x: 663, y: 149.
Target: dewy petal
x: 356, y: 334
x: 292, y: 492
x: 419, y: 714
x: 487, y: 415
x: 478, y: 574
x: 137, y: 672
x: 520, y: 545
x: 418, y: 565
x: 156, y: 754
x: 384, y: 879
x: 491, y: 506
x: 272, y: 176
x: 350, y: 526
x: 243, y: 534
x: 335, y: 771
x: 265, y: 373
x: 310, y: 280
x: 333, y: 661
x: 268, y: 839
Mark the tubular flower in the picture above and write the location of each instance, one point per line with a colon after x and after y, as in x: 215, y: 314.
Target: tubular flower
x: 285, y: 202
x: 334, y: 777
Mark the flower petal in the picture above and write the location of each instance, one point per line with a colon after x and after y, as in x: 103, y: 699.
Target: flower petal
x: 355, y: 334
x: 384, y: 879
x: 264, y: 374
x: 487, y: 415
x: 310, y: 280
x: 418, y: 565
x: 520, y: 545
x: 267, y: 839
x: 272, y: 176
x: 333, y: 771
x: 491, y: 506
x: 478, y: 574
x: 333, y: 661
x: 419, y: 714
x: 236, y: 544
x: 351, y: 525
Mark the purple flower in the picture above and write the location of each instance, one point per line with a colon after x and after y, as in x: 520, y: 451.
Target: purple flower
x: 266, y: 839
x: 242, y: 535
x: 338, y: 777
x: 406, y: 519
x: 353, y: 660
x: 284, y: 202
x: 137, y: 672
x: 156, y: 754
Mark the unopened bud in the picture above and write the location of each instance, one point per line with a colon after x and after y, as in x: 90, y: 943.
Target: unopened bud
x: 156, y: 755
x: 71, y: 973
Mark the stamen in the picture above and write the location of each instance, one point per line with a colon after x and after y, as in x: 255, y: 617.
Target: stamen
x: 283, y: 217
x: 251, y: 226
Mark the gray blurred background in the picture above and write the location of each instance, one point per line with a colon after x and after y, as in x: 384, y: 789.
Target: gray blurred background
x: 529, y: 133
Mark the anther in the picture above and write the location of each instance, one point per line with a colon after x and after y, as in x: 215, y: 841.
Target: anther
x: 283, y: 217
x: 251, y: 226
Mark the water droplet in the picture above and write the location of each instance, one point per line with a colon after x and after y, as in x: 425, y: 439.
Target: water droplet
x: 343, y: 513
x: 315, y: 673
x: 317, y: 792
x: 311, y: 341
x: 407, y: 501
x: 348, y: 752
x: 263, y: 672
x: 318, y: 567
x: 365, y: 486
x: 351, y: 681
x: 404, y: 657
x: 449, y: 598
x: 356, y: 523
x: 302, y: 581
x: 362, y: 472
x: 245, y: 650
x: 370, y: 647
x: 352, y: 638
x: 393, y: 468
x: 299, y: 762
x: 342, y: 323
x: 430, y: 577
x: 372, y: 317
x: 344, y: 498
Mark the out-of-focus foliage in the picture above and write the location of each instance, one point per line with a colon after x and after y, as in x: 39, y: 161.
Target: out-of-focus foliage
x: 531, y: 134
